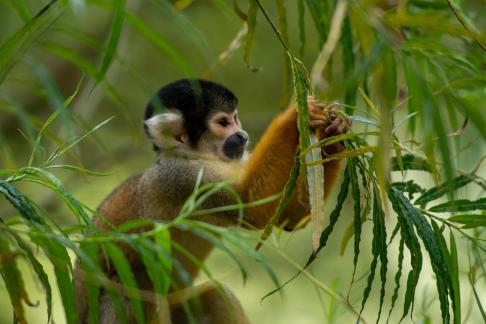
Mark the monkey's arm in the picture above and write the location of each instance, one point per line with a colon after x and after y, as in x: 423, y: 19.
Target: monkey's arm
x: 269, y: 169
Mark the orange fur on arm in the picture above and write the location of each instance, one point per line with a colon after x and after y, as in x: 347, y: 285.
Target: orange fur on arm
x: 269, y: 167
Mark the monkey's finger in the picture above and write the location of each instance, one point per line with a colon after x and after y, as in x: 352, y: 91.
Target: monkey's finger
x: 343, y: 128
x: 313, y: 107
x: 332, y: 116
x: 318, y: 114
x: 333, y: 126
x: 317, y: 123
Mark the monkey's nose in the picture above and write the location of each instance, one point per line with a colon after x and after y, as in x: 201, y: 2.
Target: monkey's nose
x: 242, y: 138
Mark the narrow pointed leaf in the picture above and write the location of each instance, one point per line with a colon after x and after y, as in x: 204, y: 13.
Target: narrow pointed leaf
x: 460, y: 205
x: 442, y: 189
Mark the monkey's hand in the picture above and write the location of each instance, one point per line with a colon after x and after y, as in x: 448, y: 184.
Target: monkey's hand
x: 328, y: 122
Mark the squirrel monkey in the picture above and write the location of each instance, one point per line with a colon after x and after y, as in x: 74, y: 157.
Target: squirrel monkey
x: 194, y: 124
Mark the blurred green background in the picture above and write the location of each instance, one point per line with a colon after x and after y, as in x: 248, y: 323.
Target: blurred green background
x: 198, y: 34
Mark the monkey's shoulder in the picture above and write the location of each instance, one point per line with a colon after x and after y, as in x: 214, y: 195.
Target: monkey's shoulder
x: 122, y: 203
x: 184, y: 170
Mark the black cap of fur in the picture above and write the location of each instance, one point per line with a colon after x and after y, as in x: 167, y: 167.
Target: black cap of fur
x: 196, y: 99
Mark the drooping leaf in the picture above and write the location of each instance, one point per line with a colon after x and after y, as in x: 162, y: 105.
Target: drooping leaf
x: 251, y: 23
x: 14, y: 48
x: 321, y: 15
x: 405, y: 209
x: 348, y: 62
x: 127, y: 278
x: 460, y: 205
x: 38, y: 269
x: 355, y: 190
x: 118, y: 10
x: 334, y: 217
x: 156, y: 39
x: 410, y: 187
x: 51, y: 246
x: 19, y: 201
x: 469, y: 221
x: 301, y: 17
x: 314, y: 170
x: 70, y: 201
x: 379, y: 248
x: 410, y: 162
x: 91, y: 283
x: 61, y: 261
x: 13, y: 280
x: 453, y: 264
x: 398, y: 275
x: 440, y: 190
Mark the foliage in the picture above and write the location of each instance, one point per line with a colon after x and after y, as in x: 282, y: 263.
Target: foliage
x: 418, y: 64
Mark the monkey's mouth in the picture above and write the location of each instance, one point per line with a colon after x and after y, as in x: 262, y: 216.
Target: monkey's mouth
x: 233, y: 152
x: 234, y: 146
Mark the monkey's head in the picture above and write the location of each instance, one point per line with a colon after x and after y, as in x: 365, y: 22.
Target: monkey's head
x: 197, y: 115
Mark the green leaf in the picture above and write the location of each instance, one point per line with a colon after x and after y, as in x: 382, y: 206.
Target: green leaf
x: 469, y: 221
x: 22, y: 10
x: 460, y: 205
x: 453, y: 264
x: 72, y: 56
x: 348, y: 63
x: 410, y: 162
x: 14, y: 48
x: 162, y: 240
x: 118, y: 9
x: 405, y: 209
x: 334, y: 217
x: 416, y: 96
x: 127, y: 278
x: 379, y: 248
x: 38, y: 269
x: 398, y: 275
x: 157, y: 40
x: 20, y: 202
x: 58, y: 188
x: 357, y: 210
x: 245, y: 247
x: 437, y: 192
x: 61, y: 261
x: 13, y: 279
x: 91, y: 280
x: 321, y: 16
x: 56, y: 252
x: 181, y: 4
x: 301, y: 15
x: 251, y: 25
x: 307, y: 139
x: 158, y: 273
x: 410, y: 187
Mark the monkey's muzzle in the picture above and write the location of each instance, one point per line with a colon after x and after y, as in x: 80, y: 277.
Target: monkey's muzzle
x: 234, y: 146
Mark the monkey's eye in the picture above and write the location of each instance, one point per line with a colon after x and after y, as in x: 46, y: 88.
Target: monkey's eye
x: 223, y: 122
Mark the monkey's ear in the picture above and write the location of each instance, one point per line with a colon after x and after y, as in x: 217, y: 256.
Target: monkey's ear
x: 166, y: 130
